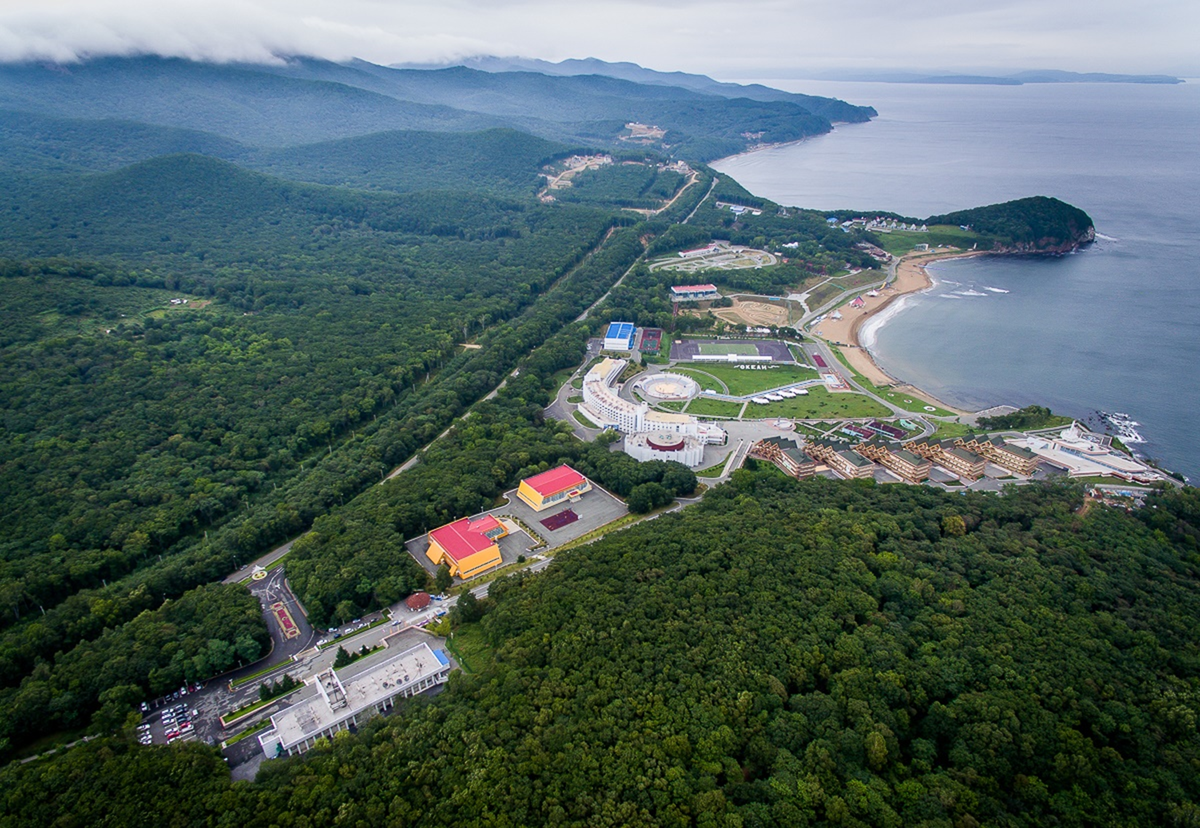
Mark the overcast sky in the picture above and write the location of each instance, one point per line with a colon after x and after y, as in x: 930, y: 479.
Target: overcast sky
x: 732, y: 39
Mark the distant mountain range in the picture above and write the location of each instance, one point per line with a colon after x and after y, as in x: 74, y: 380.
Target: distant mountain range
x: 1010, y: 79
x: 830, y: 108
x: 303, y: 100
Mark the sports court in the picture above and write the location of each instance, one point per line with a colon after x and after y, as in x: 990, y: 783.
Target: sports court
x: 559, y: 520
x: 730, y: 350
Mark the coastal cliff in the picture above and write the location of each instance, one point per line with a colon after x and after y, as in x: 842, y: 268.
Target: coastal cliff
x: 1036, y: 225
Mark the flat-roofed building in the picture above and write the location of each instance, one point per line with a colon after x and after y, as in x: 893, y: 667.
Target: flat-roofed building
x: 785, y: 455
x: 888, y: 431
x: 902, y: 462
x: 468, y: 547
x: 361, y: 692
x: 620, y: 336
x: 681, y: 448
x: 694, y: 293
x: 552, y: 487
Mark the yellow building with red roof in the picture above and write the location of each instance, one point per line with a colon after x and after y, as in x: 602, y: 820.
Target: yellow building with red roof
x: 552, y: 487
x: 468, y: 547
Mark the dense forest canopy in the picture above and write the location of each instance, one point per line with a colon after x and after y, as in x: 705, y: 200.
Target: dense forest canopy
x: 784, y: 654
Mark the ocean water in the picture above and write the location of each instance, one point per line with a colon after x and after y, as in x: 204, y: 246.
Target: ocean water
x: 1115, y: 326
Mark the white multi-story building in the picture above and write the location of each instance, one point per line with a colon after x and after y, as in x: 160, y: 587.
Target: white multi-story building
x: 343, y: 702
x: 603, y: 406
x: 660, y: 446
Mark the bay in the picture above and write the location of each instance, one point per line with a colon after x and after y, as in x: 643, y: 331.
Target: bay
x: 1115, y: 326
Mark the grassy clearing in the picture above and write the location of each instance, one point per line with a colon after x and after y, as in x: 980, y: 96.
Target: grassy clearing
x: 861, y: 279
x: 575, y: 399
x: 948, y: 431
x: 900, y: 242
x: 471, y: 649
x: 823, y: 294
x: 823, y: 405
x: 582, y: 419
x: 703, y: 407
x: 743, y: 381
x: 673, y: 405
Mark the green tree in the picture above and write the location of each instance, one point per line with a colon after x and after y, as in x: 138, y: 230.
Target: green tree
x: 342, y: 658
x: 443, y: 579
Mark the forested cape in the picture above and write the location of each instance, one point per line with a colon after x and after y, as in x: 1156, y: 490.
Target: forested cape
x: 785, y: 654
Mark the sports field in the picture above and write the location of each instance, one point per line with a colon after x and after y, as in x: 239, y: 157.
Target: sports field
x: 688, y: 350
x: 718, y: 348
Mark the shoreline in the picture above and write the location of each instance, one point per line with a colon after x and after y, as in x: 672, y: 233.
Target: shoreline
x: 845, y: 334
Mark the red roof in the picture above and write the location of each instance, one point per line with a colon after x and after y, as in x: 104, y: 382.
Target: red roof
x: 485, y: 524
x: 460, y: 540
x: 554, y: 481
x: 416, y: 601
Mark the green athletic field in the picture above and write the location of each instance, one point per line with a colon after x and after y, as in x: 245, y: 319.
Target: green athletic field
x: 720, y: 348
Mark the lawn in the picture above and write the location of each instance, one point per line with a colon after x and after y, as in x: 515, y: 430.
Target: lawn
x: 472, y: 649
x: 703, y: 407
x: 861, y: 279
x: 821, y: 404
x: 948, y: 431
x: 743, y: 381
x: 583, y: 420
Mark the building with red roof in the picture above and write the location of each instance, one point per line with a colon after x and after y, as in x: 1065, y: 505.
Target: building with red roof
x: 691, y: 293
x: 468, y: 547
x: 552, y: 487
x: 417, y: 601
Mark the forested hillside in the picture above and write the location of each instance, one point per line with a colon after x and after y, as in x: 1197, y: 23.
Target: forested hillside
x: 784, y: 654
x: 305, y: 100
x: 1027, y: 224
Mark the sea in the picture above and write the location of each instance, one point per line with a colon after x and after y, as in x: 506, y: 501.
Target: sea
x: 1114, y: 327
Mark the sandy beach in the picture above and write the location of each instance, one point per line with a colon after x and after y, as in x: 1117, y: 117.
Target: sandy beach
x: 844, y: 333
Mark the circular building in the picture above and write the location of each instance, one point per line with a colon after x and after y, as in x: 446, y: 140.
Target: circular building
x: 659, y: 445
x: 667, y: 387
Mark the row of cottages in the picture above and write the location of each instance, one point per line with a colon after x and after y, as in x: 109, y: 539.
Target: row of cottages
x: 951, y: 456
x: 470, y: 547
x: 846, y: 462
x: 785, y: 455
x: 897, y: 459
x: 1014, y: 458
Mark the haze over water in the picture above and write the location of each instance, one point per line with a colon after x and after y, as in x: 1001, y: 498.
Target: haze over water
x: 1112, y: 327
